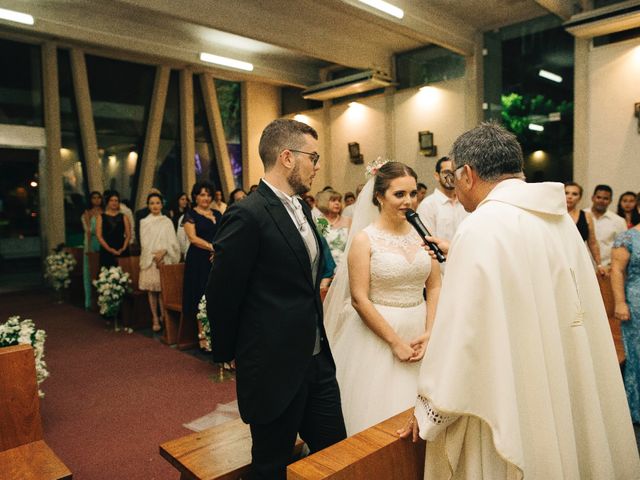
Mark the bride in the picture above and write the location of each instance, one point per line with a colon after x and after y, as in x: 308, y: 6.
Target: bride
x: 376, y: 318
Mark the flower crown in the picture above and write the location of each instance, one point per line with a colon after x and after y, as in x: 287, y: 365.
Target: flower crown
x: 373, y: 167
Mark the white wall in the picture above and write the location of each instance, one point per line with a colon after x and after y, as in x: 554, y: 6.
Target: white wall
x: 613, y: 152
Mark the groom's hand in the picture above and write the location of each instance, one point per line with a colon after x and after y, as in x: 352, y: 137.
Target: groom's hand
x: 410, y: 429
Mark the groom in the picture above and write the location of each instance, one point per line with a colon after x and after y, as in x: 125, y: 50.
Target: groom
x: 264, y: 302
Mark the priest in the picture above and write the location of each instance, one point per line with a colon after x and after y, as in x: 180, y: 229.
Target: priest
x: 520, y: 378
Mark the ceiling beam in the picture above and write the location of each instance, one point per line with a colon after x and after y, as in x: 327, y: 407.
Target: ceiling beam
x: 562, y: 8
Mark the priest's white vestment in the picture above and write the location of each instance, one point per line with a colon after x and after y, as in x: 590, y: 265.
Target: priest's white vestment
x: 520, y: 378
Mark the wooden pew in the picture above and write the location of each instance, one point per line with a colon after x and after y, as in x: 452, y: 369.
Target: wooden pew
x: 177, y: 329
x: 76, y: 288
x: 23, y: 453
x: 94, y: 270
x: 218, y: 453
x: 135, y: 312
x: 377, y: 452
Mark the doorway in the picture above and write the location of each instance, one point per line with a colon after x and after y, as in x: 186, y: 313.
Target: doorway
x: 20, y: 239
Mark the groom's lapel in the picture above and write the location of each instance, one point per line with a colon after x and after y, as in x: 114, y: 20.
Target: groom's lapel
x: 312, y: 223
x: 287, y: 228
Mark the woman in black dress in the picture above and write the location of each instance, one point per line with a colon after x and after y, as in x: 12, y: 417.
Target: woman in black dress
x: 113, y: 231
x: 200, y: 225
x: 583, y: 221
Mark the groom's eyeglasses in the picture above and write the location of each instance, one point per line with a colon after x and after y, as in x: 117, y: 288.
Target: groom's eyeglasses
x: 315, y: 158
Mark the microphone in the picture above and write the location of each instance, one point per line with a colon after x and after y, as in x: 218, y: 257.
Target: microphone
x: 414, y: 219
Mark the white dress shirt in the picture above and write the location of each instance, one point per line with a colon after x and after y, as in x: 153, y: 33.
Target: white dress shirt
x: 441, y: 214
x: 608, y: 226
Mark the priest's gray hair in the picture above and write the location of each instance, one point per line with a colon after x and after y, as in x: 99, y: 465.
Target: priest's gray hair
x: 490, y: 150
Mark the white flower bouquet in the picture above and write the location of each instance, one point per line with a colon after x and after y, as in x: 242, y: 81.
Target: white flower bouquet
x: 58, y: 267
x: 112, y: 284
x: 23, y: 332
x: 204, y: 321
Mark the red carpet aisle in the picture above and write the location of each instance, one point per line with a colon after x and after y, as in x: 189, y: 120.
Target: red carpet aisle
x: 113, y: 398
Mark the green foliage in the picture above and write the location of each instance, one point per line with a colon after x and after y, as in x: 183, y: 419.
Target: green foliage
x: 229, y: 100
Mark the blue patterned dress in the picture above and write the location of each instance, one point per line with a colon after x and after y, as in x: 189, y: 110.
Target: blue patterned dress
x: 631, y: 328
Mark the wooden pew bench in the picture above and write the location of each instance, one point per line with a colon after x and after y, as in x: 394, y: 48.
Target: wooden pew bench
x: 177, y: 329
x: 135, y: 305
x: 218, y: 453
x: 23, y: 453
x: 376, y: 453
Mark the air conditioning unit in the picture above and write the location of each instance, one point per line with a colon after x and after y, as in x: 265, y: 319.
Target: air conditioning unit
x: 352, y: 84
x: 603, y: 21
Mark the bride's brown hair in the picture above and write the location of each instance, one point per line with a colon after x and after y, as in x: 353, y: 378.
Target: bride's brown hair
x: 387, y: 172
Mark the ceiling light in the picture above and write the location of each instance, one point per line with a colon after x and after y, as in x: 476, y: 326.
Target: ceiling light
x: 536, y: 128
x: 385, y: 7
x: 226, y: 62
x: 550, y: 76
x: 33, y: 183
x: 13, y: 16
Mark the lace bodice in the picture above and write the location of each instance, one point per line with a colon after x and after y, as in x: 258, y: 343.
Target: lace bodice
x: 399, y: 268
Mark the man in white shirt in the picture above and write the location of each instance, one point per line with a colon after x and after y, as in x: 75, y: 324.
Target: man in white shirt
x: 441, y: 212
x: 607, y: 224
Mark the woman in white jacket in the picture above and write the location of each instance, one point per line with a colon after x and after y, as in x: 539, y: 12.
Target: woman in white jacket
x: 159, y: 245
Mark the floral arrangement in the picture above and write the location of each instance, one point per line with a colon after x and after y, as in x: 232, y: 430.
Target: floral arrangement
x: 23, y: 332
x: 322, y: 226
x: 112, y: 284
x: 374, y: 166
x: 204, y: 321
x: 58, y: 267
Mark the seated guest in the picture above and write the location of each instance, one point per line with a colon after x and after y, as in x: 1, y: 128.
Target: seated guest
x: 607, y: 224
x: 180, y: 205
x: 236, y: 195
x: 583, y: 221
x: 200, y: 225
x: 329, y: 202
x: 348, y: 210
x: 422, y: 192
x: 349, y: 199
x: 113, y: 231
x: 252, y: 189
x: 159, y: 245
x: 628, y: 208
x: 218, y: 202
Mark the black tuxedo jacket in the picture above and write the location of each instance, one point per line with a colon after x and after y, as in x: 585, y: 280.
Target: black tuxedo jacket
x: 262, y: 303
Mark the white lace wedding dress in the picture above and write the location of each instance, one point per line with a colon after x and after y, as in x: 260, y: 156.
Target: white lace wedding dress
x: 374, y: 384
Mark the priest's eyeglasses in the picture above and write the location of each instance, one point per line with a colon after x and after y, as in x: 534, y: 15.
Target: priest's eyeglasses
x: 450, y: 177
x: 315, y: 157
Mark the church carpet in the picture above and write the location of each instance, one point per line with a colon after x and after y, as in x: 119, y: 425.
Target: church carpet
x: 113, y: 398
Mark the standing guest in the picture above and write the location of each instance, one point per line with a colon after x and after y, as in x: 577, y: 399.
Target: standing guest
x: 348, y: 211
x: 252, y: 189
x: 218, y: 202
x: 628, y: 208
x: 236, y: 195
x: 441, y: 211
x: 113, y: 231
x: 583, y: 221
x: 180, y: 205
x: 349, y: 199
x: 422, y: 192
x: 625, y: 282
x: 329, y: 202
x: 158, y: 246
x: 143, y: 212
x: 263, y: 296
x: 607, y: 224
x: 91, y: 243
x: 520, y: 378
x: 200, y: 224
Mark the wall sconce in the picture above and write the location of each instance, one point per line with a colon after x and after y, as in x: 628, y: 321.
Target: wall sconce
x: 425, y: 140
x: 637, y: 113
x: 354, y: 153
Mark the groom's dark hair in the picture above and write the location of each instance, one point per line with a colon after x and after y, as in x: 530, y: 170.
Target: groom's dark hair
x: 282, y: 134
